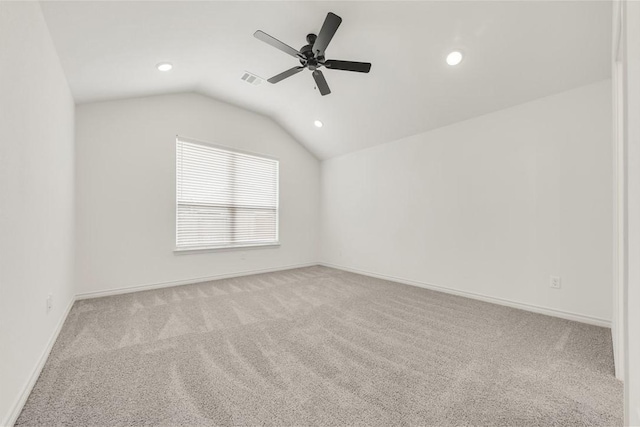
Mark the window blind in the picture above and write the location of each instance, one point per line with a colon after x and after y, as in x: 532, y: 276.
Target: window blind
x: 225, y: 198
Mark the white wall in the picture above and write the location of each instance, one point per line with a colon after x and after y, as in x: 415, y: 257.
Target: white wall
x: 36, y: 198
x: 126, y: 191
x: 491, y: 206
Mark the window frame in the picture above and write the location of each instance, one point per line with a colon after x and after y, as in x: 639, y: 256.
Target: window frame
x: 219, y: 248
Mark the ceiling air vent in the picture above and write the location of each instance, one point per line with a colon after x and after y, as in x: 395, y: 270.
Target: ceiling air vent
x: 252, y: 78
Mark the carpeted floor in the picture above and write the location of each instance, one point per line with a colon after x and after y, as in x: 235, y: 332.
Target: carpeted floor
x: 318, y: 346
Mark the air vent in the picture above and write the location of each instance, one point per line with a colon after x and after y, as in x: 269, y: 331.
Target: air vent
x: 252, y: 78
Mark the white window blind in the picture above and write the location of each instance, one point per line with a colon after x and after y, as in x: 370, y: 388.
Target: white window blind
x: 225, y: 198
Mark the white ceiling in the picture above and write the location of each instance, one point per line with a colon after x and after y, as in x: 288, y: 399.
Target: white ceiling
x: 514, y: 52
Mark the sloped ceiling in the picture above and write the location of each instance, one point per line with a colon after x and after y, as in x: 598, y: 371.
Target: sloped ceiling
x: 514, y: 52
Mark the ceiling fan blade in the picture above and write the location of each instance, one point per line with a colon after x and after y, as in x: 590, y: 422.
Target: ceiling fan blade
x: 360, y: 67
x: 290, y: 72
x: 261, y: 35
x: 329, y: 28
x: 323, y: 87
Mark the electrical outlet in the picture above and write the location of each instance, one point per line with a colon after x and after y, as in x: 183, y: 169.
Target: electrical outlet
x: 554, y: 282
x: 49, y: 302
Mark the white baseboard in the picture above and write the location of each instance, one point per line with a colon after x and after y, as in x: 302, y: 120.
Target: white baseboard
x: 159, y: 285
x: 500, y: 301
x: 26, y: 391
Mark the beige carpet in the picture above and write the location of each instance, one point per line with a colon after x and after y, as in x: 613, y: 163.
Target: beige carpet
x: 318, y: 346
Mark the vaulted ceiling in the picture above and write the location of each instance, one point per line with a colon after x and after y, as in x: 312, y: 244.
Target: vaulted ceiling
x: 513, y: 52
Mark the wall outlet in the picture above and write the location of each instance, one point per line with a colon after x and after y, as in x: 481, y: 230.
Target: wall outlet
x: 554, y: 282
x: 49, y: 302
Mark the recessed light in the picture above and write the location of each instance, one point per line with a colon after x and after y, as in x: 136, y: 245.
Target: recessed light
x: 454, y: 58
x: 318, y: 123
x: 164, y: 66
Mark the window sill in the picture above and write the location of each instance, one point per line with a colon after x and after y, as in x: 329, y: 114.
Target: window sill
x: 181, y: 251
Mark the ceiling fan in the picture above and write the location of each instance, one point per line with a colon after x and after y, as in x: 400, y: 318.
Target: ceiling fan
x: 311, y: 55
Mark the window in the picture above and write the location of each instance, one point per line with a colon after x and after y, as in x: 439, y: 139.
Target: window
x: 225, y: 198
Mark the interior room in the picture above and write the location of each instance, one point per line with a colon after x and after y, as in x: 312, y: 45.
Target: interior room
x: 309, y: 213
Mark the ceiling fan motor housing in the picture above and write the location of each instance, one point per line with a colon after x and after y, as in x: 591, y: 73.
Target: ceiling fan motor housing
x: 310, y: 60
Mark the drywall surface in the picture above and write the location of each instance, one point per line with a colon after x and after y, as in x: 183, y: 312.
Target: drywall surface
x: 493, y: 206
x: 126, y: 167
x: 37, y: 198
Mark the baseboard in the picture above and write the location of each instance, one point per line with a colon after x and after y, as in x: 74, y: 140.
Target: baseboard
x: 500, y: 301
x: 26, y: 391
x: 159, y: 285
